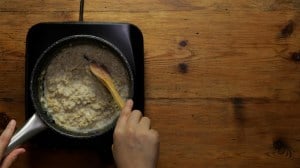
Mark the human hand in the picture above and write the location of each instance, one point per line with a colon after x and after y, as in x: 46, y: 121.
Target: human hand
x: 4, y: 141
x: 136, y: 145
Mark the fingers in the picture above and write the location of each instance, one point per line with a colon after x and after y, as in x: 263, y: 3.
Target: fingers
x: 127, y: 108
x: 145, y: 123
x: 7, y: 162
x: 134, y: 118
x: 6, y: 136
x: 124, y: 114
x: 154, y: 134
x: 4, y: 141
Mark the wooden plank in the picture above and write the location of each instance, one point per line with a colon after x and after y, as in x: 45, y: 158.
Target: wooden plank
x: 236, y: 59
x: 226, y: 133
x: 145, y: 6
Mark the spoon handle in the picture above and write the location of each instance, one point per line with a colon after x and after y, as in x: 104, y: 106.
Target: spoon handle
x: 106, y: 80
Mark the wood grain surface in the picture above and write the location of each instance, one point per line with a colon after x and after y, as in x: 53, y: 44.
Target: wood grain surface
x: 221, y: 76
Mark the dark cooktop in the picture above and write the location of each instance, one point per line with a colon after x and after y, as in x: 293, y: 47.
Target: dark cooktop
x: 128, y: 38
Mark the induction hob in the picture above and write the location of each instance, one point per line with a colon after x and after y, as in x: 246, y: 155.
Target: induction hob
x: 126, y: 37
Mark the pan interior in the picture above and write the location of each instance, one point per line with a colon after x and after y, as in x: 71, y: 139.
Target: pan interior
x: 71, y: 97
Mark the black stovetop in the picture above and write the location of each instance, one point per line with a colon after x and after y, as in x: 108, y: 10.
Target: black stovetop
x: 128, y: 38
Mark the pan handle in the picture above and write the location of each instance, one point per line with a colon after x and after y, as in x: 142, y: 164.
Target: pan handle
x: 32, y: 127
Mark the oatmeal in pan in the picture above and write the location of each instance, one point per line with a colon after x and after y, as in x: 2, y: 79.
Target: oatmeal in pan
x: 73, y: 96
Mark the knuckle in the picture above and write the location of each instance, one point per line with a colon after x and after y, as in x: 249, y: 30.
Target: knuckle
x: 117, y: 133
x: 124, y: 113
x: 136, y: 112
x: 146, y: 118
x: 154, y: 136
x: 145, y: 136
x: 131, y: 131
x: 4, y: 138
x: 123, y: 118
x: 151, y: 136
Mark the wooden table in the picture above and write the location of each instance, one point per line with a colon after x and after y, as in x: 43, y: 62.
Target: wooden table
x: 222, y: 78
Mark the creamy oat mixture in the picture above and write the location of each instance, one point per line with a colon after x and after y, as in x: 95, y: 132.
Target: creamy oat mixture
x: 73, y: 97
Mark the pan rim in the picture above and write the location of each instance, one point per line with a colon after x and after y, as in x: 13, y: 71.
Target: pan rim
x: 35, y: 75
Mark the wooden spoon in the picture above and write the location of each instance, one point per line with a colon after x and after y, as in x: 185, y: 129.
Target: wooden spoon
x: 106, y: 80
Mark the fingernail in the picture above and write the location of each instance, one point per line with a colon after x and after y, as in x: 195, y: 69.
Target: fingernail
x: 130, y: 102
x: 12, y: 122
x: 24, y: 150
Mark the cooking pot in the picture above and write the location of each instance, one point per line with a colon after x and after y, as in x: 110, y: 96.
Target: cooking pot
x: 41, y: 120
